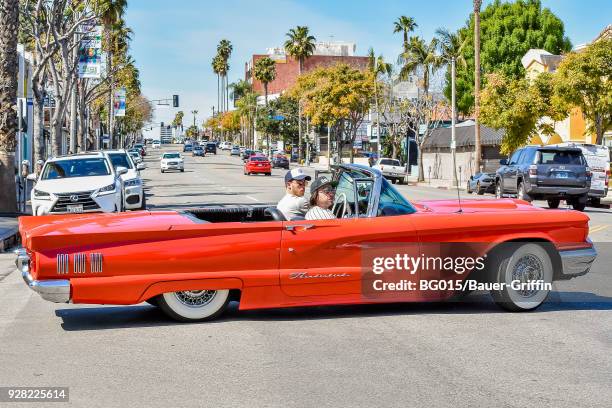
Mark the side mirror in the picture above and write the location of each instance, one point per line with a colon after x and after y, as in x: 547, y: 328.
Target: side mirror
x: 503, y: 162
x: 141, y: 166
x: 121, y: 171
x: 32, y: 177
x: 471, y: 177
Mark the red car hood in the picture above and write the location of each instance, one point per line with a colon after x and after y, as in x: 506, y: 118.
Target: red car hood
x: 474, y: 206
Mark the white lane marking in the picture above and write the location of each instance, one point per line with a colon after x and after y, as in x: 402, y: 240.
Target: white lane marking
x: 252, y: 198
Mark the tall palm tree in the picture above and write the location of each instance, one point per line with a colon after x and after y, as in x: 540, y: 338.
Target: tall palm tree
x: 419, y: 54
x: 300, y: 45
x: 239, y: 89
x: 224, y: 50
x: 451, y: 49
x: 378, y: 66
x: 404, y: 25
x: 247, y: 107
x: 477, y: 142
x: 216, y: 64
x: 265, y: 72
x: 9, y: 27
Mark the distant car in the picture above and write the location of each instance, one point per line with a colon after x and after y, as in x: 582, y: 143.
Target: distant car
x: 280, y: 160
x: 235, y: 151
x: 391, y: 169
x: 481, y: 183
x: 225, y: 146
x: 133, y: 192
x: 242, y: 149
x: 545, y: 173
x: 257, y: 164
x: 156, y: 144
x: 187, y: 147
x: 142, y: 148
x: 79, y: 183
x: 197, y: 151
x: 172, y: 161
x: 210, y: 147
x: 135, y: 156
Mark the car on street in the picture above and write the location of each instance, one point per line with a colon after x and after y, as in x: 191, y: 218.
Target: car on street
x: 172, y: 161
x: 257, y: 165
x: 142, y: 148
x: 279, y: 160
x: 156, y: 144
x: 185, y: 262
x: 242, y: 149
x: 545, y: 173
x: 197, y: 151
x: 235, y: 151
x: 135, y: 155
x: 133, y: 190
x: 210, y: 147
x: 79, y: 183
x: 246, y: 154
x: 391, y: 169
x: 225, y: 146
x: 481, y: 183
x: 187, y: 147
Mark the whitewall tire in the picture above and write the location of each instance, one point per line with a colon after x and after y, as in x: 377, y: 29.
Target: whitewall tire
x: 194, y: 305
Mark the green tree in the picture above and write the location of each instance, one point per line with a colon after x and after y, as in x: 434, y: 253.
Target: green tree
x: 9, y: 27
x: 404, y: 25
x: 584, y: 79
x: 178, y: 119
x: 419, y: 55
x: 477, y: 81
x: 300, y: 45
x: 239, y: 89
x: 507, y: 32
x: 247, y: 107
x: 224, y: 51
x: 265, y: 72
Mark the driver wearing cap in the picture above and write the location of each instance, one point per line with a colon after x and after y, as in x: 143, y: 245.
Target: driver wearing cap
x: 294, y: 205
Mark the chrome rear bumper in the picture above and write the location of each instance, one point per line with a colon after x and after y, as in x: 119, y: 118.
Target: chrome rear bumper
x: 577, y: 262
x: 54, y: 290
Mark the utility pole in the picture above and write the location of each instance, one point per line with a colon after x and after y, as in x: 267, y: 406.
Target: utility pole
x: 299, y: 131
x: 376, y: 103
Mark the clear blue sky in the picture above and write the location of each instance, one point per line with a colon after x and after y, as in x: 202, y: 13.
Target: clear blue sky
x: 175, y: 41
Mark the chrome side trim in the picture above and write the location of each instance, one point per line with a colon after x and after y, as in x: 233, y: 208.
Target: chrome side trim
x: 95, y: 262
x: 63, y: 264
x: 80, y: 262
x: 577, y: 262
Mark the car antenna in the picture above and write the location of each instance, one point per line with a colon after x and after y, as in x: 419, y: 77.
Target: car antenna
x: 460, y: 210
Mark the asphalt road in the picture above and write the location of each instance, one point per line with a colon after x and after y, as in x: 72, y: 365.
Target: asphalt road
x: 438, y: 355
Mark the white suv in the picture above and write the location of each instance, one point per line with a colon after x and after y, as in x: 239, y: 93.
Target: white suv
x: 172, y: 161
x: 133, y: 192
x: 79, y: 183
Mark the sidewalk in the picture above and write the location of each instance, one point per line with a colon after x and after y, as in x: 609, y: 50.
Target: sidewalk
x: 8, y: 233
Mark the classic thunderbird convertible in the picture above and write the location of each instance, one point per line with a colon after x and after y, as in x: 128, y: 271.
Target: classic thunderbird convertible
x: 192, y: 263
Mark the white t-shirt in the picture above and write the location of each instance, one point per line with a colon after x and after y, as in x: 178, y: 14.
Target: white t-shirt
x: 318, y: 213
x: 293, y: 207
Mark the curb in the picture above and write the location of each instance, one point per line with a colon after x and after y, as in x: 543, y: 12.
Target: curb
x: 9, y: 241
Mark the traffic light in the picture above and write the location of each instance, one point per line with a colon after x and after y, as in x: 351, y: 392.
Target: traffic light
x: 162, y: 124
x: 175, y: 101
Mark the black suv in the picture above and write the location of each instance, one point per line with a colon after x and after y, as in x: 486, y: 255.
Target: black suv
x: 545, y: 173
x: 210, y: 148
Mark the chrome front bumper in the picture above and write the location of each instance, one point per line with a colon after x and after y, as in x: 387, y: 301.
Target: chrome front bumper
x: 577, y: 262
x: 54, y: 290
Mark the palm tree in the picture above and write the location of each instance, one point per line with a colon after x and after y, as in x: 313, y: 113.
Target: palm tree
x: 477, y: 143
x: 300, y: 45
x: 419, y: 54
x: 378, y: 66
x: 217, y: 67
x: 9, y: 27
x: 224, y: 51
x: 265, y: 72
x: 239, y: 89
x: 451, y: 49
x: 247, y: 107
x: 404, y: 25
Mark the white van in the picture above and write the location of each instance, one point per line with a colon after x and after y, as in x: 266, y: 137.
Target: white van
x: 598, y: 159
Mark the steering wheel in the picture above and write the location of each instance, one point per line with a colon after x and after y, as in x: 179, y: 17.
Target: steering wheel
x: 341, y: 198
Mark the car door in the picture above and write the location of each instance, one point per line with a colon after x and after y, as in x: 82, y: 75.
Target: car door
x: 510, y: 175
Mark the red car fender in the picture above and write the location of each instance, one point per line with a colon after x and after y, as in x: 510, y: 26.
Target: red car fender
x: 195, y: 284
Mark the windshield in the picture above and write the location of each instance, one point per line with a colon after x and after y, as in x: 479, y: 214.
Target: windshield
x: 172, y: 156
x: 120, y: 160
x: 390, y: 162
x: 76, y: 168
x: 391, y: 202
x: 258, y: 158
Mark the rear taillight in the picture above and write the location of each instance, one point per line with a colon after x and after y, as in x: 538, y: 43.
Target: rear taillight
x: 588, y: 172
x: 533, y: 170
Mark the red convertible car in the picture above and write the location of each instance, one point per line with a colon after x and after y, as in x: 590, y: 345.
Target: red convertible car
x: 192, y: 263
x: 258, y: 164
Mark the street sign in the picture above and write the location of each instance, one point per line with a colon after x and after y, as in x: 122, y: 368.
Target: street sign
x: 279, y: 117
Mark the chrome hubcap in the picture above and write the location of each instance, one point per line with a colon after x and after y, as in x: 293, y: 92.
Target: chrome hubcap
x: 528, y: 269
x: 195, y: 298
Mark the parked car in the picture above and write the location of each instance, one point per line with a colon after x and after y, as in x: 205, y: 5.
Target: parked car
x: 280, y: 160
x: 545, y: 173
x: 79, y: 183
x: 481, y: 183
x: 235, y: 151
x: 247, y: 153
x: 391, y: 169
x: 135, y: 155
x: 187, y: 147
x: 242, y: 149
x: 210, y: 147
x: 156, y: 144
x: 185, y: 262
x: 257, y: 164
x: 133, y: 191
x: 172, y: 161
x: 598, y: 160
x: 197, y: 151
x: 142, y: 148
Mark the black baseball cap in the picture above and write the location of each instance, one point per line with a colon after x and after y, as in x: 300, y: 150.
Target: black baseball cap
x: 296, y: 174
x: 321, y: 182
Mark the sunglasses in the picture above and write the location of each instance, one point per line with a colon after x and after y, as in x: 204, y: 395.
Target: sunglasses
x: 327, y: 191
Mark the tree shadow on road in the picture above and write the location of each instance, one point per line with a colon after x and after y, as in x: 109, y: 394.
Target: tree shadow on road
x: 137, y: 316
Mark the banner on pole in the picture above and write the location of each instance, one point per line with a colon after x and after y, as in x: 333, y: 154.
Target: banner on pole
x: 90, y: 52
x: 119, y: 102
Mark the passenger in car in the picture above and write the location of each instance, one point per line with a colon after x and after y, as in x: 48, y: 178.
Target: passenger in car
x: 321, y: 200
x: 294, y: 205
